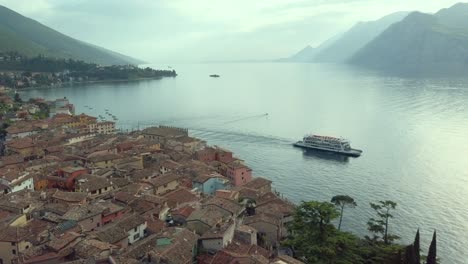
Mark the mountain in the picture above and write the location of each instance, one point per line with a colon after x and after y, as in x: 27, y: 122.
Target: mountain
x: 308, y: 53
x: 421, y: 44
x: 304, y: 55
x: 31, y: 38
x: 357, y: 37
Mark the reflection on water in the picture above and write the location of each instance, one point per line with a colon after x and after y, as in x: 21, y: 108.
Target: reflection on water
x: 324, y: 155
x: 410, y: 130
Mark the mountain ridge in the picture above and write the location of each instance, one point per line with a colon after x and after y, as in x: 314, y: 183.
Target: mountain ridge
x: 421, y: 44
x: 31, y: 38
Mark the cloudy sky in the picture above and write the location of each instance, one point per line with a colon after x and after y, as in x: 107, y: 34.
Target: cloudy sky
x: 209, y: 30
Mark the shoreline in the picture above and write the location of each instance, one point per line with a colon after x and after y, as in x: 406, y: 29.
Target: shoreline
x: 90, y: 82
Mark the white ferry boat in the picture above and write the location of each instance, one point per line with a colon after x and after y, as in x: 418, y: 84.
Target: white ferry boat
x: 332, y: 144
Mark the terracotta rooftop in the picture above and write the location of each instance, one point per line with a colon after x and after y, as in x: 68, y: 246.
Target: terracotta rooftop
x: 79, y: 213
x: 118, y: 231
x: 62, y: 241
x: 179, y: 249
x: 72, y: 197
x: 164, y: 179
x: 257, y: 183
x: 165, y: 132
x: 209, y: 216
x: 180, y: 196
x: 232, y: 207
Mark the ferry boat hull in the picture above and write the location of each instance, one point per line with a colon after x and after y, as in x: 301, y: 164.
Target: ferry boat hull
x: 351, y: 152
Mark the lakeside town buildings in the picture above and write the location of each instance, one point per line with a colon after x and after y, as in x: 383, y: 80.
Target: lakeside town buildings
x: 75, y: 190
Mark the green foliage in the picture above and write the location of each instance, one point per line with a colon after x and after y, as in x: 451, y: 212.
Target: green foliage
x: 341, y: 201
x: 17, y: 98
x: 49, y: 71
x: 379, y: 226
x: 18, y: 33
x: 316, y: 240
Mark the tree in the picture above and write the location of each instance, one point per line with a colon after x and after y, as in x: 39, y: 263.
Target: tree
x: 17, y: 98
x: 417, y: 248
x: 342, y: 201
x: 432, y: 255
x: 311, y: 230
x: 379, y: 226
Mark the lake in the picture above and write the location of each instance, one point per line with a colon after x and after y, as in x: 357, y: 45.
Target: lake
x: 414, y: 134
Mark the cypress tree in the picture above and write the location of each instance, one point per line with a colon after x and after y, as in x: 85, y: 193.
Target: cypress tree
x: 432, y: 255
x: 417, y: 248
x: 410, y: 256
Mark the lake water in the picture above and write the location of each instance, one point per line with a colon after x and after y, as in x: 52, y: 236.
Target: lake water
x: 414, y: 133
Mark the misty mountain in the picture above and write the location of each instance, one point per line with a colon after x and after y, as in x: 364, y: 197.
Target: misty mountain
x: 421, y: 44
x: 308, y: 53
x: 356, y: 38
x: 31, y: 38
x: 304, y: 55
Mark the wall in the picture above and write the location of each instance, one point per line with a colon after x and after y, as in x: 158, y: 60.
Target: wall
x: 229, y: 235
x: 26, y: 184
x: 214, y: 184
x: 140, y: 232
x: 91, y: 223
x: 112, y: 217
x: 213, y: 244
x: 270, y: 231
x: 246, y: 237
x: 240, y: 176
x: 20, y: 221
x: 6, y: 250
x: 168, y: 187
x: 197, y: 226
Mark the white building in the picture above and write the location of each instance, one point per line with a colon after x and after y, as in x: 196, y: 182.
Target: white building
x: 14, y: 182
x: 102, y: 127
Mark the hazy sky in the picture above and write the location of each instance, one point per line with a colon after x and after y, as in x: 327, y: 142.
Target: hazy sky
x: 204, y: 30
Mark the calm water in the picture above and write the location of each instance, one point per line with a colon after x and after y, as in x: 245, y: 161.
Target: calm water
x: 414, y: 134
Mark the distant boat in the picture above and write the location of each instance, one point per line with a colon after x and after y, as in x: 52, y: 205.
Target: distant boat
x: 214, y: 75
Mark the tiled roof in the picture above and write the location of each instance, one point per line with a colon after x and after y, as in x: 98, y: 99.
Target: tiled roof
x: 79, y: 213
x: 181, y: 248
x: 261, y: 218
x: 90, y: 183
x: 69, y: 196
x: 257, y: 182
x: 232, y: 207
x: 164, y: 132
x: 118, y: 231
x: 164, y: 179
x: 209, y: 216
x: 180, y: 196
x: 58, y: 243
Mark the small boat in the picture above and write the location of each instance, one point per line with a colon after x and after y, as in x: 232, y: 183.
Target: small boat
x: 214, y: 75
x: 331, y: 144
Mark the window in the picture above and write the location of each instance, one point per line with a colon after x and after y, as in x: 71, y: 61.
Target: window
x: 13, y: 243
x: 13, y: 252
x: 136, y: 229
x: 136, y: 236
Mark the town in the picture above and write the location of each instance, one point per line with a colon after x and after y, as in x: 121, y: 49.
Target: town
x: 19, y: 71
x: 76, y: 190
